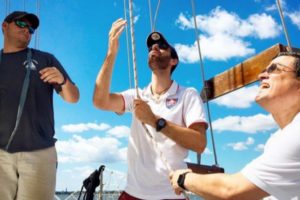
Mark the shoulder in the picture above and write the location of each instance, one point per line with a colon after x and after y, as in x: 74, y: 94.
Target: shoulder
x: 39, y: 53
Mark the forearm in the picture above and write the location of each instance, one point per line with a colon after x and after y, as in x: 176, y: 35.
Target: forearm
x: 103, y: 81
x: 223, y: 186
x: 186, y: 137
x: 213, y: 186
x: 193, y: 138
x: 69, y: 92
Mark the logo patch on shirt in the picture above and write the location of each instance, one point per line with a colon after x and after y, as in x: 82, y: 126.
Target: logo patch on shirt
x: 33, y: 64
x: 171, y: 102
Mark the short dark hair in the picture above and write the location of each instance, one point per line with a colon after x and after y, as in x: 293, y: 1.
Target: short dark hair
x: 296, y: 55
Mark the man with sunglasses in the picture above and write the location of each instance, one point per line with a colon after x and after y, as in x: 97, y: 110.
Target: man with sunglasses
x: 277, y: 171
x: 28, y: 77
x: 172, y: 114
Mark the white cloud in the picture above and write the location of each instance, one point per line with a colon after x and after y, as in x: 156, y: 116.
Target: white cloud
x: 295, y: 17
x: 136, y: 18
x: 96, y: 149
x: 119, y: 131
x: 240, y: 146
x: 226, y: 30
x: 253, y: 124
x: 210, y: 48
x: 241, y: 98
x: 207, y: 151
x: 78, y: 128
x: 271, y: 7
x: 260, y: 147
x: 264, y: 26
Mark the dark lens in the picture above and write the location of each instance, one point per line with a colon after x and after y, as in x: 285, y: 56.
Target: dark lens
x: 21, y: 24
x: 271, y: 69
x: 163, y: 46
x: 31, y: 30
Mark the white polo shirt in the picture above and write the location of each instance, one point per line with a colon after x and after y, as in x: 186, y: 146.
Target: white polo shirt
x: 148, y: 177
x: 277, y: 170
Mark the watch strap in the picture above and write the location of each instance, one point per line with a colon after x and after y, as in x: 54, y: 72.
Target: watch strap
x: 181, y: 179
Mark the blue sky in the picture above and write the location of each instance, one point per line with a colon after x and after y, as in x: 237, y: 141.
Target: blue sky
x: 230, y: 31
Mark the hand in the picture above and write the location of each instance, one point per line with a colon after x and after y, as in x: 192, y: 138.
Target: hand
x: 52, y: 75
x: 173, y: 176
x: 114, y: 34
x: 143, y: 112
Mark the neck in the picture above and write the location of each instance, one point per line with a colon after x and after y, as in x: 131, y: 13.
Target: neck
x: 284, y: 116
x: 7, y: 49
x: 160, y: 84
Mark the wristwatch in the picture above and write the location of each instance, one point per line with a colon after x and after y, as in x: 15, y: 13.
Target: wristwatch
x: 160, y: 124
x: 180, y: 180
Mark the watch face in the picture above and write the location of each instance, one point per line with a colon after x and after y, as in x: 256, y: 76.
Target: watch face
x: 161, y: 122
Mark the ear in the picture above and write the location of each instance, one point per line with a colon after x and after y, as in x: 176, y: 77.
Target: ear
x: 174, y: 61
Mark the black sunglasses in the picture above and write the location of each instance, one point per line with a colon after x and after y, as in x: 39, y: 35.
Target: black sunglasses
x: 161, y: 45
x: 23, y: 24
x: 273, y: 68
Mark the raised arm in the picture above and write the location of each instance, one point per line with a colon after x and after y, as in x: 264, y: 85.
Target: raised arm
x: 102, y: 98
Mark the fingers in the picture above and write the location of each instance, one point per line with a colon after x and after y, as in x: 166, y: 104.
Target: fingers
x: 117, y: 28
x: 51, y: 75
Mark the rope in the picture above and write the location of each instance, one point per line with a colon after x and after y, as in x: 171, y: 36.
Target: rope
x: 155, y: 16
x: 163, y: 158
x: 127, y: 46
x: 204, y: 83
x: 283, y: 25
x: 36, y: 38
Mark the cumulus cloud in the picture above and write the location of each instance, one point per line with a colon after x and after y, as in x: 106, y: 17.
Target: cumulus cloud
x: 119, y: 131
x: 260, y: 147
x: 81, y: 127
x: 295, y: 18
x: 241, y: 98
x: 96, y: 149
x: 252, y: 124
x: 240, y: 146
x: 227, y: 30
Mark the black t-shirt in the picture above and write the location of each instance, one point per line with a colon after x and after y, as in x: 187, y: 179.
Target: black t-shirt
x: 36, y: 127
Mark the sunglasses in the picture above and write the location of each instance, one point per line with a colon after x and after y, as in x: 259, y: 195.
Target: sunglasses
x: 23, y: 24
x: 160, y: 45
x: 273, y: 68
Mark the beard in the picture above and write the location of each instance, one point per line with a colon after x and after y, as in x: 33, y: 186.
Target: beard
x: 159, y: 62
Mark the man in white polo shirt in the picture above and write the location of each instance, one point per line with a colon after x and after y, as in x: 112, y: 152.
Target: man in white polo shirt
x: 173, y: 115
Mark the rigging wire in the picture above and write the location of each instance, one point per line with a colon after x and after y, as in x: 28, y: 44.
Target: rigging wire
x: 153, y: 22
x: 127, y: 46
x: 204, y: 85
x: 7, y: 7
x: 283, y: 25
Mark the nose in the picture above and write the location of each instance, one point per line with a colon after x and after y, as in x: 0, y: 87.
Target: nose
x: 155, y: 47
x: 263, y: 75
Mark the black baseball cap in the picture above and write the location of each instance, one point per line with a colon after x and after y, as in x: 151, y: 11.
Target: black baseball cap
x: 156, y: 37
x: 32, y: 18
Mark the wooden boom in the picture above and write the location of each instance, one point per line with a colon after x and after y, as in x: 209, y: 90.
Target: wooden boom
x: 240, y: 75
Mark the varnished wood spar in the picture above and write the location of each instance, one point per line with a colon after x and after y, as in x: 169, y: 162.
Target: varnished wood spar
x: 241, y: 74
x: 204, y: 169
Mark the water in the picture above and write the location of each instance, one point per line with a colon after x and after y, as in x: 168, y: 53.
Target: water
x: 106, y: 196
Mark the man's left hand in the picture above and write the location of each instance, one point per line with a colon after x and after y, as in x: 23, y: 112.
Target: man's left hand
x: 52, y: 75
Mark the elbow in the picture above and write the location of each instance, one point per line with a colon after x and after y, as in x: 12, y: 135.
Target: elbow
x: 200, y: 147
x: 99, y: 103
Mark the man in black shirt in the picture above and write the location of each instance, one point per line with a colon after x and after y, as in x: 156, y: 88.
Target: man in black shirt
x: 27, y: 153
